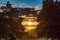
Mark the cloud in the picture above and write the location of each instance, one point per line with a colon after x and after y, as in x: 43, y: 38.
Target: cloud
x: 4, y: 5
x: 29, y: 6
x: 13, y: 5
x: 0, y: 5
x: 38, y: 7
x: 24, y: 5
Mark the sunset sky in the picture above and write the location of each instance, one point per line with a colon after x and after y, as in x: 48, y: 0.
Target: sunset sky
x: 24, y: 3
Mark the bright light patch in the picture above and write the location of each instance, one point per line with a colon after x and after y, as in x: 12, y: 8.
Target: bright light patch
x: 29, y: 23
